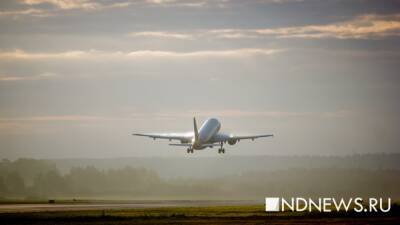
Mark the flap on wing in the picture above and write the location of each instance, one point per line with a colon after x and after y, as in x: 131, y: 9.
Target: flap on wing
x: 171, y: 136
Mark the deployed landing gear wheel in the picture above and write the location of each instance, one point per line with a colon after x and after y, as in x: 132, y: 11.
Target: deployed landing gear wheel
x: 190, y: 150
x: 221, y: 150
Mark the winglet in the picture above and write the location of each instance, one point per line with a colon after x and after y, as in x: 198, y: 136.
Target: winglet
x: 196, y: 132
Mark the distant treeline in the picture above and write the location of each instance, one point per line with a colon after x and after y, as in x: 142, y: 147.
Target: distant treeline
x: 206, y: 167
x: 30, y: 178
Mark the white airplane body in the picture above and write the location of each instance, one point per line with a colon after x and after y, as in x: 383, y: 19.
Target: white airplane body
x: 207, y: 136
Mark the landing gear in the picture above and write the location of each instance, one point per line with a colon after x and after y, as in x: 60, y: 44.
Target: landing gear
x: 221, y: 150
x: 190, y: 150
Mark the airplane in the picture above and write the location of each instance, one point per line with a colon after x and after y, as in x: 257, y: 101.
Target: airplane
x: 207, y: 136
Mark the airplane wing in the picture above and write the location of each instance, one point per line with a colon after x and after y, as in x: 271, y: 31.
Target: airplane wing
x: 185, y: 137
x: 182, y: 144
x: 231, y: 137
x: 252, y: 137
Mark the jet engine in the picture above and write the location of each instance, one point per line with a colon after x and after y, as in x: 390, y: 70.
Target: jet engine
x: 232, y: 142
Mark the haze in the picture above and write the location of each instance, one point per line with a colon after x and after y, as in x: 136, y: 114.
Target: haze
x: 78, y: 77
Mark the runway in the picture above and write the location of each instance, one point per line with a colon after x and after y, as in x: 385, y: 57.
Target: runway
x: 113, y: 205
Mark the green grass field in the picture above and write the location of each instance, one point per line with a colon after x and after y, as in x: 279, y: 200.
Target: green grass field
x: 197, y: 215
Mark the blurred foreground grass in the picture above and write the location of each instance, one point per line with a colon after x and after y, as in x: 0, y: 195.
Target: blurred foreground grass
x: 197, y: 215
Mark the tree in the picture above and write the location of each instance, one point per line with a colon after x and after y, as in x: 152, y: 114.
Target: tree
x: 15, y: 183
x: 3, y: 187
x: 50, y: 183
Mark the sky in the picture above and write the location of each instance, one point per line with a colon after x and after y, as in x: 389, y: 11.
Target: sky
x: 78, y: 77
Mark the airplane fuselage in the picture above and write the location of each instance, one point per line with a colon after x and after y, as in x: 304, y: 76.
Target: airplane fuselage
x: 206, y: 133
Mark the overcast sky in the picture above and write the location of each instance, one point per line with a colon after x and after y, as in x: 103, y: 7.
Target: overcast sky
x: 78, y: 77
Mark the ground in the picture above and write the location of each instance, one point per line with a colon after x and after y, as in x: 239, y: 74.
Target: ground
x: 243, y: 214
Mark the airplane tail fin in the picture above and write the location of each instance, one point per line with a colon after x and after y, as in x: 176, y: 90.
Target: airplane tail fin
x: 196, y: 132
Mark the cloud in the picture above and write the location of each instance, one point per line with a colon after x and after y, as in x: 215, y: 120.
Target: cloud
x: 211, y: 3
x: 20, y: 54
x: 179, y: 3
x: 197, y: 34
x: 66, y: 4
x: 232, y: 33
x: 280, y: 1
x: 208, y: 53
x: 270, y: 113
x: 86, y: 5
x: 89, y: 5
x: 229, y: 113
x: 175, y: 114
x: 140, y: 54
x: 234, y: 113
x: 77, y: 4
x: 43, y: 76
x: 161, y: 34
x: 58, y: 118
x: 362, y: 27
x: 25, y: 12
x: 34, y: 124
x: 366, y: 26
